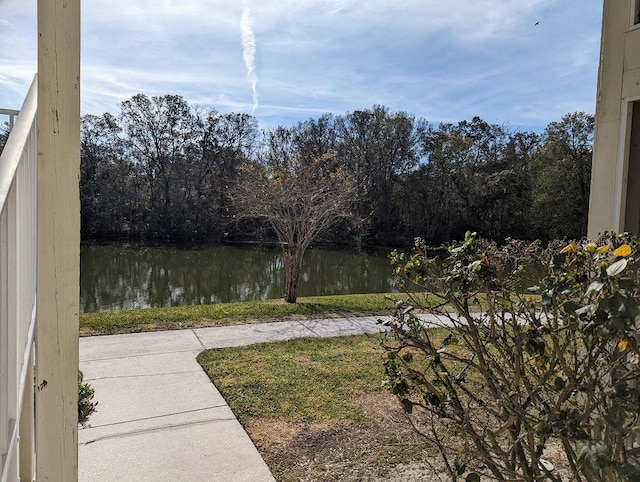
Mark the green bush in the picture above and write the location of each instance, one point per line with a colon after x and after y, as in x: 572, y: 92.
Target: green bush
x: 542, y: 348
x: 86, y: 405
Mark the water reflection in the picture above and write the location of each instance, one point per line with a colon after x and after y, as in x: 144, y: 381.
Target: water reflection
x: 123, y: 277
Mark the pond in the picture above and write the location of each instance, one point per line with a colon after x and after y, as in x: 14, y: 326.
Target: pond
x: 117, y: 276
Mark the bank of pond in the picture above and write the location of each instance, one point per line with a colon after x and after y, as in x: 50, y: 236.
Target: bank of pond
x: 120, y: 276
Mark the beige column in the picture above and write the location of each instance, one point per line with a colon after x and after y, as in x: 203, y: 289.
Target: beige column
x: 26, y: 430
x: 615, y: 176
x: 58, y: 240
x: 605, y: 199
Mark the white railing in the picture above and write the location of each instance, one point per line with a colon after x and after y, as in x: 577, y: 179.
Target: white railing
x: 18, y: 218
x: 12, y: 114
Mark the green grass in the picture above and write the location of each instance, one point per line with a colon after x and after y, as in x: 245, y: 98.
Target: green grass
x: 302, y: 380
x: 316, y: 408
x: 170, y: 318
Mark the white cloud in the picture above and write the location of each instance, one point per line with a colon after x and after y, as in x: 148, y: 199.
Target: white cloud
x: 442, y: 60
x: 249, y: 53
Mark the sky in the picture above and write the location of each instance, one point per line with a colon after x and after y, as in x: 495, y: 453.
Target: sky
x: 523, y: 63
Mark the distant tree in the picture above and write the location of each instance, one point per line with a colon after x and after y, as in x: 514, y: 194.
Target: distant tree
x: 304, y: 142
x: 299, y: 201
x: 460, y: 161
x: 317, y: 137
x: 379, y: 147
x: 475, y: 176
x: 162, y: 169
x: 160, y: 134
x: 311, y: 139
x: 227, y: 142
x: 4, y: 135
x: 562, y: 173
x: 502, y: 187
x: 512, y: 214
x: 111, y: 198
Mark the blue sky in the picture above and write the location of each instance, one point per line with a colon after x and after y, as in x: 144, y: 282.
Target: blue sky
x: 288, y: 60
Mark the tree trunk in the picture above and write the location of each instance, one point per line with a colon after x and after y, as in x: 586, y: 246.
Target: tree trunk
x: 293, y: 269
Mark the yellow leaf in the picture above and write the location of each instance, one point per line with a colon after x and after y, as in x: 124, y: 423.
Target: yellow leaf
x: 623, y: 345
x: 569, y: 248
x: 623, y: 251
x: 603, y: 249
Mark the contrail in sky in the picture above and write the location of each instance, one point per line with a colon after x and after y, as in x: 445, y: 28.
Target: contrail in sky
x: 249, y: 52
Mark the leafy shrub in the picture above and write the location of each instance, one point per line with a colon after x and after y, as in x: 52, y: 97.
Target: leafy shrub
x: 542, y: 348
x: 86, y: 406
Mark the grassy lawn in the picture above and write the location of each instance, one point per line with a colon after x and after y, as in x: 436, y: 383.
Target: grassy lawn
x: 315, y: 407
x: 303, y: 380
x: 171, y: 318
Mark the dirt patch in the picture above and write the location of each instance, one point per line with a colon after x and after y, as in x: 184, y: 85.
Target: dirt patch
x: 382, y: 448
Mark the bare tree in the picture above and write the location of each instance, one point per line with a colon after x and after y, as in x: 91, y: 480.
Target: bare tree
x: 299, y: 202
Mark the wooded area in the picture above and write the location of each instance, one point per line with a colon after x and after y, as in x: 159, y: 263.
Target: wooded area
x: 163, y: 169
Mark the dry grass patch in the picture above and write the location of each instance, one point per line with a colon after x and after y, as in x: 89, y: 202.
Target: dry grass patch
x: 316, y: 410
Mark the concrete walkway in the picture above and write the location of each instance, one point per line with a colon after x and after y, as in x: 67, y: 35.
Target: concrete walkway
x: 159, y: 417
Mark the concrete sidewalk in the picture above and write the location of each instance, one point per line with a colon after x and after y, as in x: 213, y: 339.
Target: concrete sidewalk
x: 159, y: 417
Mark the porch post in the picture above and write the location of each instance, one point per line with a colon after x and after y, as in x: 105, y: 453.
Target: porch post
x: 615, y: 203
x: 58, y: 256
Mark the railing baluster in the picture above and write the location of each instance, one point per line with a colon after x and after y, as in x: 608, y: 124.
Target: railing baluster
x: 18, y: 224
x: 4, y: 342
x: 13, y: 328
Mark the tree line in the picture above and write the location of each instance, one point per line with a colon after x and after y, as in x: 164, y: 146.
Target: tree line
x: 163, y: 169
